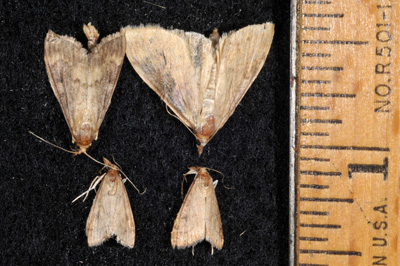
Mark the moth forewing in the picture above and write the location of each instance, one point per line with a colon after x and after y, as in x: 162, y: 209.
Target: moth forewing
x: 199, y: 218
x: 202, y: 80
x: 83, y: 81
x: 242, y: 55
x: 111, y: 213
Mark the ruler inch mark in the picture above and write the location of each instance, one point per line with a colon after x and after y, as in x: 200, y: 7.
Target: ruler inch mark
x: 314, y: 186
x: 321, y: 121
x: 322, y: 68
x: 352, y: 148
x: 315, y: 81
x: 318, y: 173
x: 327, y: 200
x: 331, y: 252
x: 328, y: 95
x: 315, y: 108
x: 327, y: 226
x: 318, y: 213
x: 320, y: 15
x: 339, y: 42
x: 306, y: 238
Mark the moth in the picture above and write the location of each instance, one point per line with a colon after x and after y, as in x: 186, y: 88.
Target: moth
x: 84, y: 80
x: 201, y: 79
x: 199, y: 217
x: 111, y: 213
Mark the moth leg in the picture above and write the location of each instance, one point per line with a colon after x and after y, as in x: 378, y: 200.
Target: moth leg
x: 192, y: 250
x: 183, y: 181
x: 212, y: 250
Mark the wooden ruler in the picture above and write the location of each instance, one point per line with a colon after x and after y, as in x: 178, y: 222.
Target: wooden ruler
x: 345, y: 132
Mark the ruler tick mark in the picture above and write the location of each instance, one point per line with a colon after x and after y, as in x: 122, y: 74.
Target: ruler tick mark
x: 321, y: 121
x: 315, y: 159
x: 327, y: 200
x: 315, y: 108
x: 328, y: 95
x: 316, y: 28
x: 314, y: 186
x: 318, y: 2
x: 315, y: 55
x: 322, y: 68
x: 315, y: 134
x: 318, y: 173
x: 328, y: 226
x: 303, y: 238
x: 314, y: 213
x: 354, y: 148
x: 318, y: 15
x: 341, y: 42
x: 312, y: 264
x: 315, y: 81
x: 331, y: 252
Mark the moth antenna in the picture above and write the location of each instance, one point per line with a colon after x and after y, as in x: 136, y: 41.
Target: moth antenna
x: 190, y: 172
x: 171, y: 114
x: 163, y: 7
x: 116, y: 162
x: 223, y: 177
x: 92, y: 186
x: 54, y: 145
x: 183, y: 181
x: 97, y: 161
x: 126, y: 177
x: 140, y: 193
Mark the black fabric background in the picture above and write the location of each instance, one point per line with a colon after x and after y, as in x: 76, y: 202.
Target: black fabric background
x: 38, y: 222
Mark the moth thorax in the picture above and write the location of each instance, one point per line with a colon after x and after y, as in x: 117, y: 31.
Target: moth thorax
x: 206, y: 180
x: 85, y: 136
x: 112, y: 175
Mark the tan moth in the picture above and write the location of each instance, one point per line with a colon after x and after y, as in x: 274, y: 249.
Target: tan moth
x: 201, y: 79
x: 84, y: 80
x: 111, y: 213
x: 199, y: 217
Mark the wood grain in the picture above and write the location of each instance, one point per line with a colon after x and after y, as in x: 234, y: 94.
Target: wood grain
x: 347, y: 162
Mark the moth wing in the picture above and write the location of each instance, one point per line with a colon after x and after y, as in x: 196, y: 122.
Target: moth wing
x: 106, y: 61
x: 83, y: 83
x: 214, y: 233
x: 66, y: 65
x: 190, y: 224
x: 242, y: 55
x: 175, y: 64
x: 111, y: 214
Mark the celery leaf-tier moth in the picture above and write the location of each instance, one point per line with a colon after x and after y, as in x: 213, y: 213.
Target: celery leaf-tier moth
x: 83, y: 81
x: 111, y: 212
x: 199, y: 218
x: 201, y: 79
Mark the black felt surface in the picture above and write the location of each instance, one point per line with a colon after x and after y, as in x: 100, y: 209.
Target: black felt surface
x: 38, y: 222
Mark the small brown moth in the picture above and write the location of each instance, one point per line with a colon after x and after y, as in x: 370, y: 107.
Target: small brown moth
x: 84, y: 81
x: 199, y: 218
x: 111, y: 212
x: 201, y: 79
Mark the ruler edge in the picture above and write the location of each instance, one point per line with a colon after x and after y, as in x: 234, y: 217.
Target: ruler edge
x: 294, y: 5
